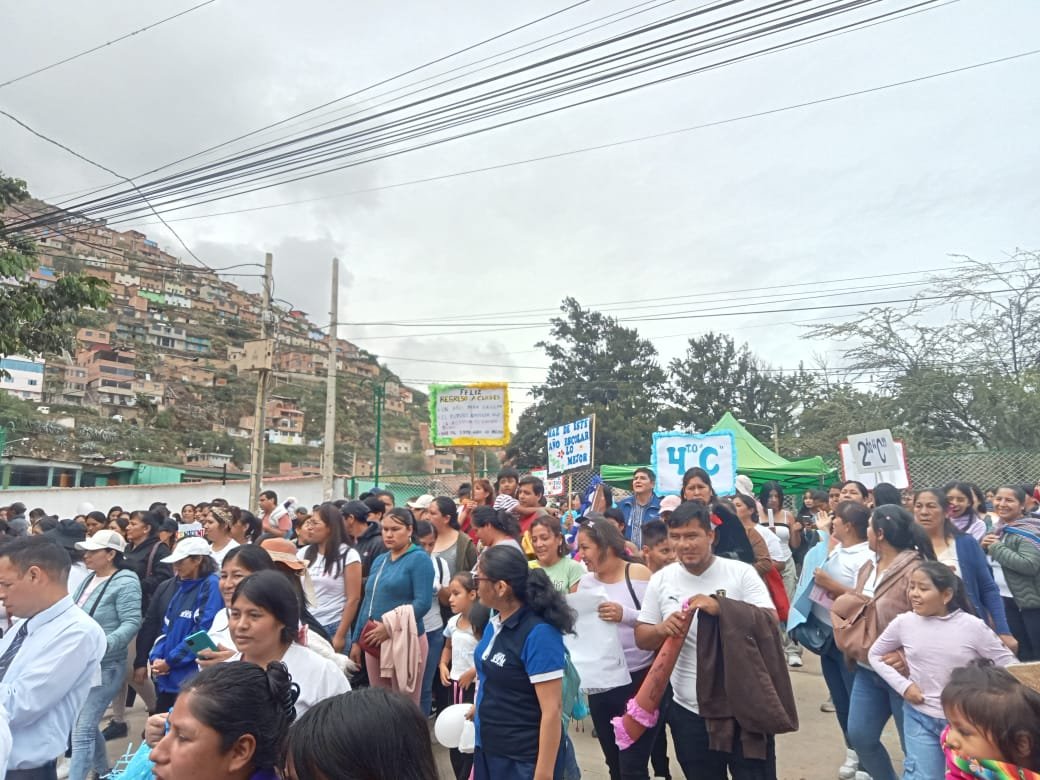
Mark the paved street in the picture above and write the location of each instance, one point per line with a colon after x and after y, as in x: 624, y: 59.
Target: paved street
x: 813, y: 753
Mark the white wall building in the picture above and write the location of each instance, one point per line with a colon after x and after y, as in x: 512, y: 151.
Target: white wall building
x: 23, y: 377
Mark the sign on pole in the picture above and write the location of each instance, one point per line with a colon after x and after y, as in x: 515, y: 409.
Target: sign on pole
x: 473, y: 415
x: 674, y: 452
x: 873, y: 451
x: 569, y: 446
x: 896, y: 473
x: 553, y: 485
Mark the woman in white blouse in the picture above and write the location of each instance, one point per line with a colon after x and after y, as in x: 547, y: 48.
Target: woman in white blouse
x: 335, y: 571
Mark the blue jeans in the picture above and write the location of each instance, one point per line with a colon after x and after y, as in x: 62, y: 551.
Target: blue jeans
x: 433, y: 660
x: 871, y: 705
x: 924, y: 753
x: 839, y: 677
x: 88, y: 746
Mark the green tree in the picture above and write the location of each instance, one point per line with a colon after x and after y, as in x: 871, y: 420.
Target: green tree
x: 596, y: 366
x: 35, y: 319
x: 958, y: 369
x: 716, y: 376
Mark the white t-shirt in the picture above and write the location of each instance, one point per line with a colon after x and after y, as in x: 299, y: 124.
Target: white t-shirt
x: 328, y: 588
x: 463, y: 643
x: 843, y: 564
x: 783, y: 535
x: 219, y: 555
x: 220, y: 631
x: 673, y: 585
x: 776, y: 547
x: 998, y: 575
x: 432, y: 620
x: 317, y: 677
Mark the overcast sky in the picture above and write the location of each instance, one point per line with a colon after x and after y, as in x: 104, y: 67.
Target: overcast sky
x: 887, y: 182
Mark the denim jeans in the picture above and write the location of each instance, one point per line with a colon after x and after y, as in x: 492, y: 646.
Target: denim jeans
x: 924, y: 753
x: 433, y: 660
x: 871, y: 705
x: 839, y: 677
x: 88, y: 746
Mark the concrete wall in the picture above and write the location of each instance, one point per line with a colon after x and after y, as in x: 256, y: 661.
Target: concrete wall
x: 67, y: 502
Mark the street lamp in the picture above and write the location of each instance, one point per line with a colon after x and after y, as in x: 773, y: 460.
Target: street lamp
x: 775, y: 428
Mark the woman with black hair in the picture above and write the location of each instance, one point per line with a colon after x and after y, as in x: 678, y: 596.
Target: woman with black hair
x: 611, y: 570
x: 452, y: 546
x: 495, y: 527
x: 851, y: 490
x: 229, y: 723
x: 520, y: 662
x: 111, y: 594
x: 217, y: 531
x: 731, y: 540
x: 965, y: 557
x: 881, y: 591
x: 1014, y: 551
x: 552, y: 555
x: 960, y: 501
x: 368, y: 734
x: 245, y: 526
x: 335, y: 570
x: 265, y: 625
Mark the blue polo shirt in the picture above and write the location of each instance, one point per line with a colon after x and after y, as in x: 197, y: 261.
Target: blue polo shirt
x: 512, y: 656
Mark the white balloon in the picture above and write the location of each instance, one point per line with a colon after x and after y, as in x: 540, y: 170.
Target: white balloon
x: 448, y: 728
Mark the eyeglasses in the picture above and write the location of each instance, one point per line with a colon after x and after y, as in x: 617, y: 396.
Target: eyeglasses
x: 477, y: 579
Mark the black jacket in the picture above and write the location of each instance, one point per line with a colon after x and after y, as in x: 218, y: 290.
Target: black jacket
x: 152, y: 623
x: 149, y: 566
x: 369, y: 546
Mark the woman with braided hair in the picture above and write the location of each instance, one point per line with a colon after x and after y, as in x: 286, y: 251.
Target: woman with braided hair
x: 230, y: 722
x: 265, y: 621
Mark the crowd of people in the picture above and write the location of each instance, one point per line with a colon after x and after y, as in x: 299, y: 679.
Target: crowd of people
x: 320, y: 642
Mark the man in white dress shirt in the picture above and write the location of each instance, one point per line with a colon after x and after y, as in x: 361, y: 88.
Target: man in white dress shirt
x: 49, y: 659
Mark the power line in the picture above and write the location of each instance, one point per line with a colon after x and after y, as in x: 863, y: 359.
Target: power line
x: 287, y: 159
x: 84, y: 53
x: 74, y: 153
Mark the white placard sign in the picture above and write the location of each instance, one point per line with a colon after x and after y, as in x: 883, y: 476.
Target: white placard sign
x: 674, y: 452
x: 471, y: 415
x: 568, y: 447
x: 553, y: 485
x: 873, y: 451
x: 897, y: 474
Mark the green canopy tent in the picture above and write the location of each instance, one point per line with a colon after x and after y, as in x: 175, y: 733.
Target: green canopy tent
x: 754, y: 459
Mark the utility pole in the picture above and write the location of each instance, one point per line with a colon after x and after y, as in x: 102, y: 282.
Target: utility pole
x: 378, y: 394
x: 256, y: 454
x: 328, y: 465
x: 776, y: 438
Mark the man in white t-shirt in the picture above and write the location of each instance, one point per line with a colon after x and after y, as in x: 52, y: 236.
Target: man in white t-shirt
x: 696, y: 576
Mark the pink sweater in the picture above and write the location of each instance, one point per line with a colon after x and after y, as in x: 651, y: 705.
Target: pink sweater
x: 934, y: 647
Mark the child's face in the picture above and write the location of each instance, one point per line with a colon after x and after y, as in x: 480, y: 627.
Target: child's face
x: 969, y: 741
x: 926, y: 599
x: 659, y: 556
x: 460, y: 599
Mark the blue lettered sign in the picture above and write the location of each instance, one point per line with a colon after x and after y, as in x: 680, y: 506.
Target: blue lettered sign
x: 569, y: 446
x: 674, y: 452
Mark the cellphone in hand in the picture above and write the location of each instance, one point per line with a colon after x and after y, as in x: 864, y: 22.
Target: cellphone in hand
x: 200, y: 641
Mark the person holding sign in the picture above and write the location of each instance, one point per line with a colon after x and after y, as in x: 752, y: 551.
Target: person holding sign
x: 642, y: 506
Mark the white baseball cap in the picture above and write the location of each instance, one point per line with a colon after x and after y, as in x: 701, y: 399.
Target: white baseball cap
x: 187, y: 547
x: 745, y: 486
x: 103, y: 540
x: 422, y: 502
x: 670, y: 503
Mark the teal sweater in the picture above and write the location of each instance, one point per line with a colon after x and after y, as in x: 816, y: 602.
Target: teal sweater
x: 392, y: 584
x: 117, y: 609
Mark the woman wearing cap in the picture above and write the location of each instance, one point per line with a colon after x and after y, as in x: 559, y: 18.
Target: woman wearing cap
x: 419, y: 504
x: 335, y: 571
x: 111, y: 595
x: 192, y: 608
x: 265, y: 627
x: 217, y: 529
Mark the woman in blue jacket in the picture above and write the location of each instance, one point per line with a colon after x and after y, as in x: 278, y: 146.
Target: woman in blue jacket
x: 962, y: 553
x: 192, y: 608
x: 399, y: 577
x: 111, y: 594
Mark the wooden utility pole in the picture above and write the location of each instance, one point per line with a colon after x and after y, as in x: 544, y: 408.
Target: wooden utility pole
x: 328, y: 469
x: 256, y: 453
